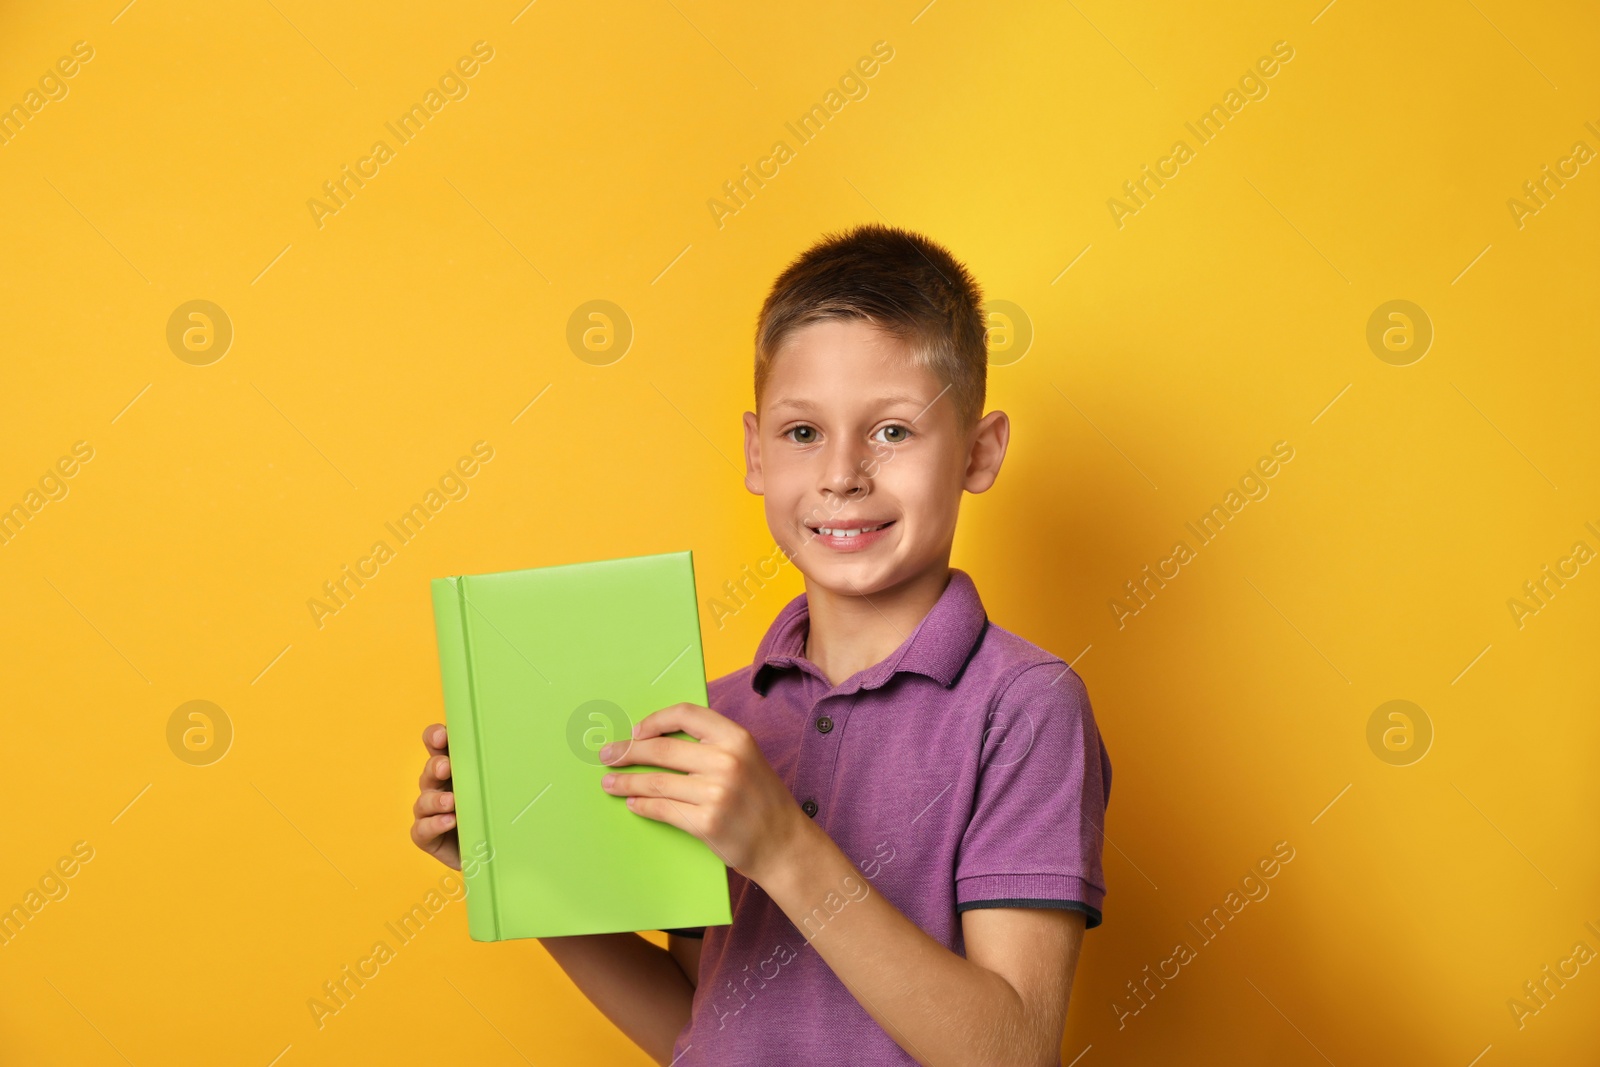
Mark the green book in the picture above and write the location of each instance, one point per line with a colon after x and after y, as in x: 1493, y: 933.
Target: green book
x: 540, y: 668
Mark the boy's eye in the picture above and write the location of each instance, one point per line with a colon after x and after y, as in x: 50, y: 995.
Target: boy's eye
x: 904, y: 434
x: 805, y: 435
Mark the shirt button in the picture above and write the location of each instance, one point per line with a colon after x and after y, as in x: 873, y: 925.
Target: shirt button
x: 810, y: 808
x: 824, y: 724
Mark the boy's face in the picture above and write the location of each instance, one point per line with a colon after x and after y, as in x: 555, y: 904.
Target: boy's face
x: 851, y: 434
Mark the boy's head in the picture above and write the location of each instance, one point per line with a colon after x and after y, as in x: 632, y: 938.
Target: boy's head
x: 870, y: 376
x: 900, y: 282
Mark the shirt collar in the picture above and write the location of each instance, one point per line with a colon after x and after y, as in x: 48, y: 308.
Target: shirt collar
x: 938, y: 647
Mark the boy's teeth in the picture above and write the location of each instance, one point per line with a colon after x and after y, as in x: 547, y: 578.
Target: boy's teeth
x: 831, y: 532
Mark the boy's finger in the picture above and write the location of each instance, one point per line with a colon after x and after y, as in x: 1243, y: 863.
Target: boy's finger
x: 433, y: 802
x: 679, y: 788
x: 435, y: 773
x: 698, y: 722
x: 436, y: 740
x: 673, y: 753
x: 667, y: 811
x: 425, y: 831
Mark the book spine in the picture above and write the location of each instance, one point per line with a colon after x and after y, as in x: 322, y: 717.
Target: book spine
x: 701, y: 696
x: 467, y: 769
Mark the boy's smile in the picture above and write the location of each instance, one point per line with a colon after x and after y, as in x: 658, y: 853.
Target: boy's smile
x: 861, y: 461
x: 849, y: 537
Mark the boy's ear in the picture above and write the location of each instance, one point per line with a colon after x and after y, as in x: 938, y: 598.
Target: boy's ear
x: 987, y: 451
x: 752, y: 453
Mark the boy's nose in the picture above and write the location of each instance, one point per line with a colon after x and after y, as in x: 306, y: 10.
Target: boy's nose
x: 847, y: 471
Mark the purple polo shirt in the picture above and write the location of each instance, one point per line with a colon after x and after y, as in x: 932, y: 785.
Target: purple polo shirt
x: 963, y: 771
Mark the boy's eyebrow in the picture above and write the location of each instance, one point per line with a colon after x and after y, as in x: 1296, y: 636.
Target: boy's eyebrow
x: 807, y: 405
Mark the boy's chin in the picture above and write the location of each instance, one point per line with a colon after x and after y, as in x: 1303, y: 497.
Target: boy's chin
x: 836, y: 569
x: 854, y: 575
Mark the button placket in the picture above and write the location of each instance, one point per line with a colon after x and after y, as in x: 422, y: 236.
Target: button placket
x: 819, y: 751
x: 815, y: 765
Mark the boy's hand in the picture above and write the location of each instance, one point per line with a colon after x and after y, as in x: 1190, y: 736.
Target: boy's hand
x: 730, y: 797
x: 433, y: 826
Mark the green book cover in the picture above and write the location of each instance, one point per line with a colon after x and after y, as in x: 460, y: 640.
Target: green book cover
x: 540, y: 668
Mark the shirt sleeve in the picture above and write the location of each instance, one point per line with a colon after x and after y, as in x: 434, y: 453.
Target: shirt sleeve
x: 1038, y: 818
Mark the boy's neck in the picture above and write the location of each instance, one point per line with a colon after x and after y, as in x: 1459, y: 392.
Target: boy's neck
x: 849, y: 632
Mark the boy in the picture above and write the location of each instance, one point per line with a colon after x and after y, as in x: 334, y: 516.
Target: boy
x: 910, y: 799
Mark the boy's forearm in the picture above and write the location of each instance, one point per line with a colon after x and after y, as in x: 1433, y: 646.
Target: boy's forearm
x: 636, y: 985
x: 937, y: 1005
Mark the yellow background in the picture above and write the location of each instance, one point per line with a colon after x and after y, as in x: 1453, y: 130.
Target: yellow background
x: 371, y: 352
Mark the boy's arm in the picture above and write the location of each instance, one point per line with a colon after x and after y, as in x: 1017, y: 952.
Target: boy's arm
x: 642, y: 989
x: 686, y: 950
x: 1006, y: 1002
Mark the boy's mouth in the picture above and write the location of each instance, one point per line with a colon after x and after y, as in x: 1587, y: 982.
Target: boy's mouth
x: 854, y: 536
x: 854, y: 529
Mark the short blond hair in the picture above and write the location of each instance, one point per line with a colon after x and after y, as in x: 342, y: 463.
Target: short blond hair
x: 899, y: 281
